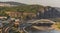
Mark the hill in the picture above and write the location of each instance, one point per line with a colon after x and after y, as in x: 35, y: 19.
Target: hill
x: 10, y: 3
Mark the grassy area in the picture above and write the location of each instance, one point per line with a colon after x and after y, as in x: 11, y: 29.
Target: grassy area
x: 58, y: 25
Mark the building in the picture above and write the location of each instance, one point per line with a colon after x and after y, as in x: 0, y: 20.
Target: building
x: 29, y: 14
x: 22, y: 15
x: 17, y: 23
x: 14, y: 14
x: 1, y: 17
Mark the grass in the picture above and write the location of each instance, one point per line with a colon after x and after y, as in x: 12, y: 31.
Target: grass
x: 58, y: 25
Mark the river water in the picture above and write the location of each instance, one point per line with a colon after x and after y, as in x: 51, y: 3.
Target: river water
x: 52, y: 31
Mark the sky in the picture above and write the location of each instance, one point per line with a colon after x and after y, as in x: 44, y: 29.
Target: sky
x: 53, y: 3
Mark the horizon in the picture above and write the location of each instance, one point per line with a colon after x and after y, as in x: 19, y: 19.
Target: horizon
x: 53, y: 3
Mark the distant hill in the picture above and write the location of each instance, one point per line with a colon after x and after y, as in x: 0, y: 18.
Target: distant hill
x: 10, y: 3
x: 14, y: 3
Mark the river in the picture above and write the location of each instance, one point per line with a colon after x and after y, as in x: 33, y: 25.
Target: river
x: 52, y: 31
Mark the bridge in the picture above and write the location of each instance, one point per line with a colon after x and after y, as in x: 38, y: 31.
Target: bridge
x: 42, y: 24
